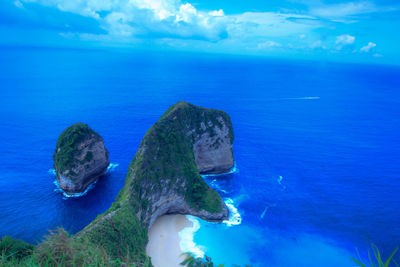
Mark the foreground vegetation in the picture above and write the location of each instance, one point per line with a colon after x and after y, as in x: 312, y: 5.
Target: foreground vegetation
x: 192, y: 261
x: 375, y: 259
x: 59, y: 249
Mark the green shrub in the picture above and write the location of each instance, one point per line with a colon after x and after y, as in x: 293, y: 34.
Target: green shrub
x: 14, y: 248
x: 192, y: 261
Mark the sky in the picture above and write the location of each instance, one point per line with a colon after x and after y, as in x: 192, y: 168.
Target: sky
x: 356, y: 31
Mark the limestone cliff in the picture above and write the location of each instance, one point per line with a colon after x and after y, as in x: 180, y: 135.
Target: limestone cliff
x: 80, y: 158
x: 164, y: 178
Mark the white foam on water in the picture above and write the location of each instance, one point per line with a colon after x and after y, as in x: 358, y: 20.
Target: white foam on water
x: 264, y: 212
x: 302, y: 98
x: 234, y: 215
x: 233, y: 170
x: 280, y: 182
x: 110, y: 168
x: 66, y: 195
x: 187, y: 234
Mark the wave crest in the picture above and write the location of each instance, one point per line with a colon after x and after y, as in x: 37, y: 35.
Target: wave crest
x: 187, y: 243
x: 234, y: 216
x: 111, y: 167
x: 234, y: 169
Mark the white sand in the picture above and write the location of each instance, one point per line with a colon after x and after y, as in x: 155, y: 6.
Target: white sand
x: 163, y: 246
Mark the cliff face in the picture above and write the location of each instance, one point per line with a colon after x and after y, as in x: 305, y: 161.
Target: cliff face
x: 80, y: 158
x: 213, y: 149
x: 163, y: 178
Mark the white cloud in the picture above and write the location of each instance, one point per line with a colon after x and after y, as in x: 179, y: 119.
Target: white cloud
x: 178, y: 19
x: 268, y: 24
x: 147, y: 17
x: 187, y: 13
x: 344, y: 40
x: 179, y: 23
x: 368, y: 47
x: 268, y: 44
x: 317, y: 44
x: 217, y: 13
x: 336, y: 11
x: 18, y: 3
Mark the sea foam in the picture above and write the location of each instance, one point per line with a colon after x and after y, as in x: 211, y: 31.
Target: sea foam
x: 187, y: 243
x: 111, y: 167
x: 264, y: 212
x: 234, y: 215
x: 280, y: 182
x: 234, y: 169
x: 301, y: 98
x: 66, y: 195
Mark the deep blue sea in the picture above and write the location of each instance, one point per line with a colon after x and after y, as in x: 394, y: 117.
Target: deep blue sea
x: 317, y: 146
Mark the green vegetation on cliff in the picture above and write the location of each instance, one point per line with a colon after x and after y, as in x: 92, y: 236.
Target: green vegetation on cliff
x: 66, y: 147
x: 59, y: 249
x: 14, y: 248
x: 167, y: 153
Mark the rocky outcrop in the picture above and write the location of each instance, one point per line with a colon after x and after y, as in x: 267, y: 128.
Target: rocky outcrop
x: 213, y: 151
x: 80, y: 158
x: 164, y: 176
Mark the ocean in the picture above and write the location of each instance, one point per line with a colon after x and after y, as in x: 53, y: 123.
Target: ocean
x: 317, y: 147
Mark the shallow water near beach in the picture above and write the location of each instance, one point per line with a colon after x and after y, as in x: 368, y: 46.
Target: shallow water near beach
x: 317, y: 146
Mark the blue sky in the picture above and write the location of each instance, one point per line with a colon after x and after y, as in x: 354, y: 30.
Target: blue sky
x: 357, y: 31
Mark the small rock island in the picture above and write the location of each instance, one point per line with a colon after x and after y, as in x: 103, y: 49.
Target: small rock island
x: 80, y: 158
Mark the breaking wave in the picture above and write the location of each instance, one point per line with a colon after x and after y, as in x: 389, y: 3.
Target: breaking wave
x: 234, y: 215
x: 66, y: 195
x: 52, y: 171
x: 112, y: 167
x: 234, y: 169
x: 187, y: 234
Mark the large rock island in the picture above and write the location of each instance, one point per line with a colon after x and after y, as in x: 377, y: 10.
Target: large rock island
x: 80, y: 158
x: 164, y: 178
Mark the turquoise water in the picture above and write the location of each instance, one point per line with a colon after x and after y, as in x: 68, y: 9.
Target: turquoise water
x: 316, y: 146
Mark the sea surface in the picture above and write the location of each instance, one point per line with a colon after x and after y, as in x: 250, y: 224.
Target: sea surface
x: 317, y: 147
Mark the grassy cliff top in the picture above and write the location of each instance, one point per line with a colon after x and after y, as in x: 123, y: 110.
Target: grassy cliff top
x: 68, y: 142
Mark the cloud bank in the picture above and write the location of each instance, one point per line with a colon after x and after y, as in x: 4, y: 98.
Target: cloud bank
x: 316, y: 27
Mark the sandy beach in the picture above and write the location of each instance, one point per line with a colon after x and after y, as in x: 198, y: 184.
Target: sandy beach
x: 163, y: 246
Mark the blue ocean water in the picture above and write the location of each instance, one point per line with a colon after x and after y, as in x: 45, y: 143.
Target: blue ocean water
x: 317, y: 146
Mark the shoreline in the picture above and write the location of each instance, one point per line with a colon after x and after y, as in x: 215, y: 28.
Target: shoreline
x: 164, y: 240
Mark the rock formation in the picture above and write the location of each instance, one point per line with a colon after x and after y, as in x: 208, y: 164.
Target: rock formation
x: 80, y: 158
x: 164, y: 178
